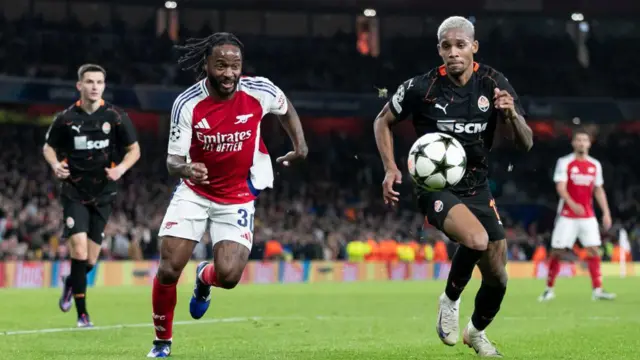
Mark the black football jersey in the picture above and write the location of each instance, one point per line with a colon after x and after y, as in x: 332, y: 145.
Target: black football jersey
x: 89, y: 143
x: 467, y: 113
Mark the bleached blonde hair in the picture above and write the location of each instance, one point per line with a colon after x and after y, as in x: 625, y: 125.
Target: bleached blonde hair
x: 456, y: 22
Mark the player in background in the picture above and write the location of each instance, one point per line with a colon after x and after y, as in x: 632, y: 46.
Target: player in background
x: 578, y: 178
x: 454, y: 99
x: 216, y: 149
x: 81, y: 147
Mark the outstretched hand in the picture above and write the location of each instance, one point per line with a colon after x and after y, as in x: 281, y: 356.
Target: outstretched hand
x: 288, y: 158
x: 504, y: 102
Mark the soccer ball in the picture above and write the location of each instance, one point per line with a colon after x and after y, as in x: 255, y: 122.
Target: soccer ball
x: 437, y: 161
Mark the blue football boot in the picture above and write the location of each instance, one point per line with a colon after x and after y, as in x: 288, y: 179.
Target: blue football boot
x: 201, y: 297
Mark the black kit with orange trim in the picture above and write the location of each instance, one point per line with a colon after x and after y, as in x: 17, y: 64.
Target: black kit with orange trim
x: 89, y: 143
x: 436, y: 103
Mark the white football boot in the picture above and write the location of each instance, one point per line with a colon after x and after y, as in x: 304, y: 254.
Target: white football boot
x: 478, y: 341
x: 447, y: 325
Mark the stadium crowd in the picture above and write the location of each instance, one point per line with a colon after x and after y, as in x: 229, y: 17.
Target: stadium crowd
x: 136, y: 55
x: 333, y: 198
x: 315, y: 209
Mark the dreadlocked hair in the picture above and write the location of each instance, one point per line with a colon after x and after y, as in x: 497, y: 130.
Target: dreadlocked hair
x: 196, y: 50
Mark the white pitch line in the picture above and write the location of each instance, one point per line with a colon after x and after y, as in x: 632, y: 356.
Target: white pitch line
x: 259, y: 318
x: 150, y: 325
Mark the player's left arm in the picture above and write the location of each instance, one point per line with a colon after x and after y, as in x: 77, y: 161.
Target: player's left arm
x: 508, y: 103
x: 288, y: 116
x: 601, y: 198
x: 127, y: 138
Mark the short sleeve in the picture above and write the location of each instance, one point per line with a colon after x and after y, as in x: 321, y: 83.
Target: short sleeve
x: 271, y: 98
x: 279, y: 104
x: 401, y: 103
x: 503, y: 83
x: 180, y: 132
x: 54, y: 136
x: 560, y: 173
x: 125, y: 131
x: 599, y: 178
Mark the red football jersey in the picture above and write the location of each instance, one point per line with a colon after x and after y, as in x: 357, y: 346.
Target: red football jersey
x: 225, y: 137
x: 581, y: 176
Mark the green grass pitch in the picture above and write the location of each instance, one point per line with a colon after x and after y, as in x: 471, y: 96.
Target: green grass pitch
x: 350, y: 321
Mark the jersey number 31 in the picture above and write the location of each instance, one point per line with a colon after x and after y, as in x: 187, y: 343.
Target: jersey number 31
x: 245, y: 219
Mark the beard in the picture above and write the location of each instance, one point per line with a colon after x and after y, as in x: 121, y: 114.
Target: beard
x: 220, y: 90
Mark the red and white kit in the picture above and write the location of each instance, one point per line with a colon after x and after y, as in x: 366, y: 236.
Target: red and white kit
x: 581, y: 176
x: 225, y: 137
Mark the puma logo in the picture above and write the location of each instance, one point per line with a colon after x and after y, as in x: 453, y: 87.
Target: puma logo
x: 76, y: 128
x: 443, y: 108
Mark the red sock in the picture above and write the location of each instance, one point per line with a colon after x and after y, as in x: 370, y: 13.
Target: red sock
x: 208, y: 276
x: 164, y: 303
x: 594, y: 270
x: 554, y: 269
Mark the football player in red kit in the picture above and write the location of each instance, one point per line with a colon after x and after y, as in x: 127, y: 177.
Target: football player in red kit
x: 578, y: 178
x: 216, y: 149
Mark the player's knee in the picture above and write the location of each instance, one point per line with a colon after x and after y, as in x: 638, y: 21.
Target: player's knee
x: 592, y: 251
x: 558, y: 253
x: 229, y: 274
x: 168, y: 272
x: 498, y: 279
x: 79, y: 253
x: 78, y: 246
x: 478, y: 240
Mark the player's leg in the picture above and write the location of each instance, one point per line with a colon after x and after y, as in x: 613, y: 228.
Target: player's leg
x: 589, y: 235
x: 447, y: 213
x: 492, y: 265
x: 229, y: 260
x: 174, y: 256
x: 98, y: 221
x: 565, y: 232
x: 93, y: 252
x: 94, y: 236
x: 77, y: 218
x: 232, y: 236
x: 183, y: 226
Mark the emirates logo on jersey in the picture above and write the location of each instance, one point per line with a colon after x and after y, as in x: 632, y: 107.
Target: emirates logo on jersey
x: 224, y: 142
x: 582, y: 179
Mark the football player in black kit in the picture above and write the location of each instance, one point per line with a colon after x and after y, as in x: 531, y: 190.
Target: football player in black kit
x: 81, y: 146
x: 468, y: 101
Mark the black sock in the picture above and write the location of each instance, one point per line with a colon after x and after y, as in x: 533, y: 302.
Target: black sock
x: 67, y: 282
x: 79, y: 284
x: 462, y: 264
x: 488, y: 301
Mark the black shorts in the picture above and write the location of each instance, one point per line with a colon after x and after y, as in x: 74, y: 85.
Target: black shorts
x: 90, y: 219
x: 436, y: 205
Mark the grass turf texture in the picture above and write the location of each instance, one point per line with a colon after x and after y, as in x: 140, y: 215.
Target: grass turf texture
x: 382, y: 320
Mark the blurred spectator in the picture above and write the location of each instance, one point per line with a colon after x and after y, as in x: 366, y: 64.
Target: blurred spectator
x: 313, y: 211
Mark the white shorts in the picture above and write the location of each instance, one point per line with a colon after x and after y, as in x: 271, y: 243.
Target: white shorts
x: 189, y: 215
x: 567, y: 230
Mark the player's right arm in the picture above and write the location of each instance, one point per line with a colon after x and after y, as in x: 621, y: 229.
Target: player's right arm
x: 393, y: 111
x: 53, y: 141
x: 601, y: 197
x: 560, y: 177
x: 179, y: 145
